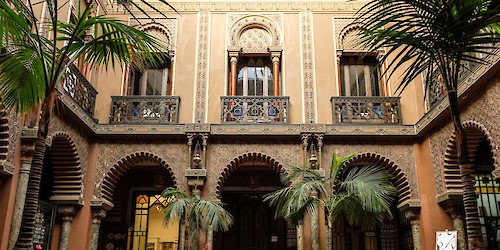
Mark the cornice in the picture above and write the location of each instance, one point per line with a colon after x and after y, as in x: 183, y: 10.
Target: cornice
x: 255, y: 6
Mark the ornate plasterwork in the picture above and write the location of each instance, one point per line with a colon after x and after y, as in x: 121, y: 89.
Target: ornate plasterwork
x: 346, y: 33
x: 201, y: 76
x: 481, y: 111
x: 318, y: 6
x: 222, y: 154
x: 14, y: 130
x: 254, y: 33
x: 171, y: 154
x: 249, y: 157
x: 67, y: 170
x: 61, y: 127
x: 306, y: 39
x: 400, y: 156
x: 162, y: 28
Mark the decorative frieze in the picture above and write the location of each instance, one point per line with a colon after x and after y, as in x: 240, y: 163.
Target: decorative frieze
x: 201, y: 71
x: 308, y: 81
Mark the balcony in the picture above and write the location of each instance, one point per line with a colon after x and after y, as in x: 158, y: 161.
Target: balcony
x: 254, y: 109
x: 144, y: 110
x: 81, y: 91
x: 366, y: 110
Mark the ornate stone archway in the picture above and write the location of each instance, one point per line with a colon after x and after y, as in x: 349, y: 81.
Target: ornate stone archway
x: 106, y: 188
x: 398, y: 177
x: 66, y: 170
x: 236, y: 163
x: 254, y: 33
x: 475, y: 132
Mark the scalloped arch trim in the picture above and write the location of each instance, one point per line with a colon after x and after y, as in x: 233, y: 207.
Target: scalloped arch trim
x: 399, y: 179
x: 237, y: 162
x: 475, y: 132
x: 66, y: 169
x: 122, y: 166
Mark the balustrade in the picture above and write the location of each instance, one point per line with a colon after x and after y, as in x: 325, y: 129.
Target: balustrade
x: 254, y: 109
x: 79, y: 88
x: 144, y: 109
x: 366, y: 110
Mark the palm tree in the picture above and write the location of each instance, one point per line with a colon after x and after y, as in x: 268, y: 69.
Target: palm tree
x: 33, y: 63
x: 195, y: 215
x: 362, y: 195
x: 443, y: 36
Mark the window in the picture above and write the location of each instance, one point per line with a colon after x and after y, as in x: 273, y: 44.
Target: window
x: 359, y: 76
x: 152, y: 81
x: 255, y: 77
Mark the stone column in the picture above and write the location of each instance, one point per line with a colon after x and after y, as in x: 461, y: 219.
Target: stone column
x: 234, y: 63
x: 28, y: 137
x: 414, y: 218
x: 458, y: 225
x: 275, y: 57
x: 67, y: 217
x: 171, y: 72
x: 97, y: 215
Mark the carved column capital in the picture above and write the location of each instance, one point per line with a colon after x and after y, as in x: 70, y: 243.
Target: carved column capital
x: 339, y: 56
x: 413, y: 216
x: 67, y: 212
x: 98, y: 215
x: 305, y: 137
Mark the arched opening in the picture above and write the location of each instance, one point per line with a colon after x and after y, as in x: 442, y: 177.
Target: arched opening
x: 136, y: 221
x: 61, y: 184
x: 488, y: 191
x: 255, y: 226
x: 395, y: 233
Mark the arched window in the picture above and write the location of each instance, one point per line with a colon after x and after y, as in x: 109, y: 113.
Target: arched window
x: 255, y: 77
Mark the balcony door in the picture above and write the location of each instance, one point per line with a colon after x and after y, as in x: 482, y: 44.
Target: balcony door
x: 359, y: 76
x: 255, y: 77
x: 152, y: 81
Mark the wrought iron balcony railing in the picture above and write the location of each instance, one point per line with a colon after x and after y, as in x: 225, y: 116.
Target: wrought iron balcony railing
x: 82, y: 92
x: 366, y: 110
x: 144, y: 109
x: 254, y: 109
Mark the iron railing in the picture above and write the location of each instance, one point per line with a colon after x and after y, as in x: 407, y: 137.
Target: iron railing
x: 80, y: 89
x: 366, y: 110
x: 254, y: 109
x: 144, y: 109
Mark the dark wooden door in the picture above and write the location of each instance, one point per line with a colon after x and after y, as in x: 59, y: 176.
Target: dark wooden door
x: 254, y: 225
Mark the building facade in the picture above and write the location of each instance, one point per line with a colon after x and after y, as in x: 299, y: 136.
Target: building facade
x: 250, y: 89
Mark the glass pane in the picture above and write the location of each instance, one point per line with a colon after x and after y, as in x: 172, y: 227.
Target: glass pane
x: 270, y: 82
x: 154, y: 81
x: 259, y: 81
x: 360, y: 70
x: 251, y: 80
x: 239, y: 82
x: 374, y: 81
x: 161, y: 235
x: 342, y: 80
x: 352, y: 78
x: 140, y: 222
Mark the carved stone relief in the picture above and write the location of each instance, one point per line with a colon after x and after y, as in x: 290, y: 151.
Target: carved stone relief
x: 306, y: 38
x: 482, y: 110
x: 201, y: 77
x: 110, y: 153
x: 254, y: 33
x: 161, y: 28
x: 221, y: 155
x: 402, y: 155
x: 57, y: 125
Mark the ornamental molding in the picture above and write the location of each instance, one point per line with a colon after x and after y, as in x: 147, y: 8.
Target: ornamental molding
x: 201, y: 70
x: 307, y: 58
x: 266, y: 6
x: 165, y: 29
x: 255, y: 33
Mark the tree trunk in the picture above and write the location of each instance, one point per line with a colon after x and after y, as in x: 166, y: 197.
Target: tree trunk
x: 25, y: 240
x: 473, y: 226
x: 329, y: 236
x: 300, y: 236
